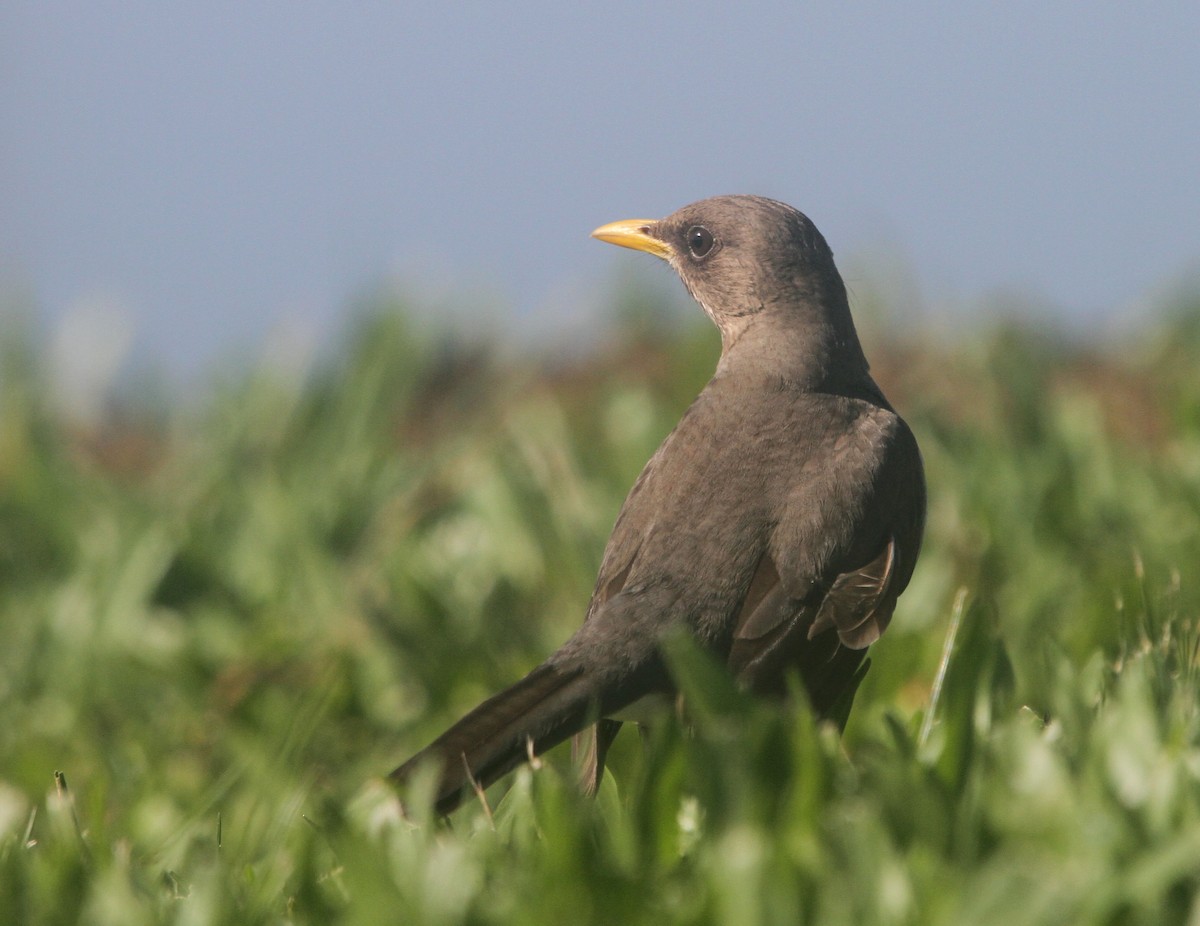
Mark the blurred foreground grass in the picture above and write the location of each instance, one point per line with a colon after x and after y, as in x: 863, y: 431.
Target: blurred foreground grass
x: 224, y: 619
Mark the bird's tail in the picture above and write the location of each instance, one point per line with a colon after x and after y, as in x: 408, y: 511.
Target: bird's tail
x: 546, y: 707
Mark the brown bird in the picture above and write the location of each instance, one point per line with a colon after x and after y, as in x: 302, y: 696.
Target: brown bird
x: 777, y: 524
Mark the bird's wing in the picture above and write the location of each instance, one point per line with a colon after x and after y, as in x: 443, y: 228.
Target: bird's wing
x: 811, y: 622
x: 859, y: 604
x: 635, y: 520
x: 589, y: 747
x: 778, y: 633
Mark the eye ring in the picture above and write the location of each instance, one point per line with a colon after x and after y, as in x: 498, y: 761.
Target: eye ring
x: 700, y: 241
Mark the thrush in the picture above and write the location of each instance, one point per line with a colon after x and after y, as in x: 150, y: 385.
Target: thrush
x: 776, y: 525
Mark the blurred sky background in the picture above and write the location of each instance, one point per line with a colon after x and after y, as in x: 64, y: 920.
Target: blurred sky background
x: 182, y: 179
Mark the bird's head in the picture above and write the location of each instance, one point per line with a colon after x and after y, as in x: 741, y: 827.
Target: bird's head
x: 742, y: 257
x: 737, y: 254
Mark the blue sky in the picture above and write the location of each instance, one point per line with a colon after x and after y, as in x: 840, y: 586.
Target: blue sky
x: 211, y: 171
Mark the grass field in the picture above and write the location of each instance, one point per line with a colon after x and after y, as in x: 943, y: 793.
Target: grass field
x: 222, y: 618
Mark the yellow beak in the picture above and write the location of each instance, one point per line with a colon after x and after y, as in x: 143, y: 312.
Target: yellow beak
x: 634, y: 233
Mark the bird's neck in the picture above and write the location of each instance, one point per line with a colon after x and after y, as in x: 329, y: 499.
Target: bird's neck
x: 809, y: 344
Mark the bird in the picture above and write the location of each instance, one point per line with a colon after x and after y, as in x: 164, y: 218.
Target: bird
x: 776, y: 525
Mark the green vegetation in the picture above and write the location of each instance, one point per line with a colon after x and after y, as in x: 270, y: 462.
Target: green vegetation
x: 222, y: 619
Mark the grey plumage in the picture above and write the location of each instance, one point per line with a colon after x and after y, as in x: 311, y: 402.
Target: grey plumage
x: 777, y: 524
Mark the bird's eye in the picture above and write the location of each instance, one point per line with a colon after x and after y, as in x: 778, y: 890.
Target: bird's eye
x: 699, y: 240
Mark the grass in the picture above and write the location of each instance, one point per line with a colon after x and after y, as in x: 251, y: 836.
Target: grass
x: 222, y: 619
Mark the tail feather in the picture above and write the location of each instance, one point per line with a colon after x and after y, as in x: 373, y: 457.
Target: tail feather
x: 546, y: 707
x: 590, y: 749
